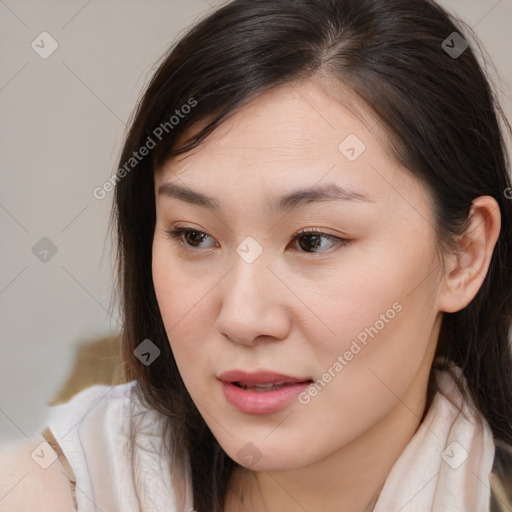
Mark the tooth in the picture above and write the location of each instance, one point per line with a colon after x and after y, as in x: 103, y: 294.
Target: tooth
x: 264, y: 387
x: 258, y: 385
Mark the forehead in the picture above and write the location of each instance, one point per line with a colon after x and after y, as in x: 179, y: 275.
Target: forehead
x: 298, y: 110
x: 294, y: 134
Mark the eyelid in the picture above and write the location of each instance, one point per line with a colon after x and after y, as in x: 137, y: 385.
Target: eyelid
x: 320, y: 231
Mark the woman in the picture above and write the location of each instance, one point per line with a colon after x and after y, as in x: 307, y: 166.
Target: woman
x: 315, y: 246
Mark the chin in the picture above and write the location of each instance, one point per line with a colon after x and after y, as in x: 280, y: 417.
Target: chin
x: 266, y: 455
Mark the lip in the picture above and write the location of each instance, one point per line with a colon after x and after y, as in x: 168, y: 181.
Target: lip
x: 260, y: 377
x: 261, y: 402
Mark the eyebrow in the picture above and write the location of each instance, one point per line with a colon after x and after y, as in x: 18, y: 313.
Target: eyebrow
x: 325, y: 193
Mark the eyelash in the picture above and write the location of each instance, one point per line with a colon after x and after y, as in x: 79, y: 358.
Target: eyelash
x: 177, y: 233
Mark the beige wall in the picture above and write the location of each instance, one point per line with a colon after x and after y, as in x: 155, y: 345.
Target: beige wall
x: 62, y: 122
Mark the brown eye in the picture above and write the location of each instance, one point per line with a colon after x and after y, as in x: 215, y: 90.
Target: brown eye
x: 315, y: 241
x: 189, y: 237
x: 193, y: 237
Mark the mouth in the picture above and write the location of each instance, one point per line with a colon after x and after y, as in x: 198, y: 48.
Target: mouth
x: 266, y: 387
x: 262, y: 392
x: 261, y: 381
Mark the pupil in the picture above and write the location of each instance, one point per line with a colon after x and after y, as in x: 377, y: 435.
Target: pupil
x: 195, y: 236
x: 317, y: 241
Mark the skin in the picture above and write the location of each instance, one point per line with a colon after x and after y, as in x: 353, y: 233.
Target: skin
x: 294, y: 310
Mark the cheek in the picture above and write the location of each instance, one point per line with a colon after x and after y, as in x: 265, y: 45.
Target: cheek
x: 181, y: 293
x: 382, y: 314
x: 370, y: 367
x: 378, y: 303
x: 183, y: 303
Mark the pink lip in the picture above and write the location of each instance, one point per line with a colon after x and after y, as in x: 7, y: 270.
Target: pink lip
x: 261, y: 377
x: 261, y: 402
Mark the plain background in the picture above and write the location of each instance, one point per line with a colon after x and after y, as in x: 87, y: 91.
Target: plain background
x: 61, y: 130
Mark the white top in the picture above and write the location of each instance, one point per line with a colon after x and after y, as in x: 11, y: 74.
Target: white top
x: 444, y: 468
x: 93, y: 431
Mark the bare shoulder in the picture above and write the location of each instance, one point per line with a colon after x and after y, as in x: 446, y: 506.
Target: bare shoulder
x: 33, y: 478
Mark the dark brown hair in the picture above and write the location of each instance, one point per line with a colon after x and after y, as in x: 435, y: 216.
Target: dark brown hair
x: 443, y: 124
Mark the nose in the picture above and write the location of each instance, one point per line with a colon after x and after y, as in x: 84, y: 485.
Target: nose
x: 253, y: 304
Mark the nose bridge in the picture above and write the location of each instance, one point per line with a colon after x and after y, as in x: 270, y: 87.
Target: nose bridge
x: 250, y: 303
x: 248, y: 277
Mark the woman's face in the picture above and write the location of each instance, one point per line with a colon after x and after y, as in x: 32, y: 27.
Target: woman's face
x: 351, y: 309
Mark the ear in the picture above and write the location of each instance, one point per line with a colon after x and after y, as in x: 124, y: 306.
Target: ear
x: 467, y: 267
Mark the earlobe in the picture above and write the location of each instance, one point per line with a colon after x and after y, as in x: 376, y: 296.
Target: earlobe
x: 467, y: 267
